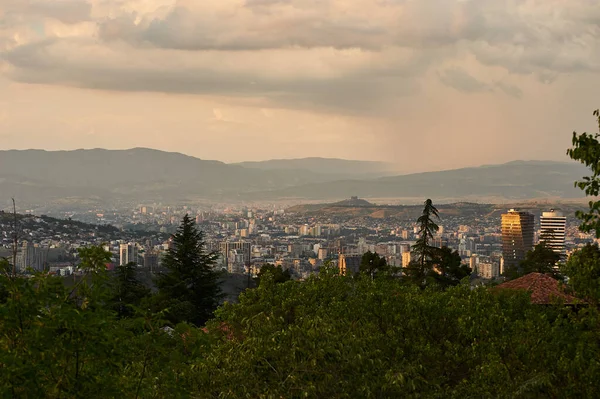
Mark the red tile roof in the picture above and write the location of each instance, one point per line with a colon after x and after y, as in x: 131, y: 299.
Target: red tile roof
x: 544, y: 289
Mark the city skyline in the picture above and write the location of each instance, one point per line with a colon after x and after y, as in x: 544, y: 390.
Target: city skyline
x: 245, y: 80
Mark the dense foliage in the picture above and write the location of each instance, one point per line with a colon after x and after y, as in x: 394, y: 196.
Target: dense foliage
x: 583, y: 271
x: 372, y: 264
x: 277, y: 274
x: 586, y: 149
x: 330, y: 336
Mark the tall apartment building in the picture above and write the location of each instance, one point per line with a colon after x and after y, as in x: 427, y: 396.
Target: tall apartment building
x: 406, y: 258
x: 553, y: 225
x: 517, y: 236
x: 349, y: 264
x: 151, y: 259
x: 128, y: 253
x: 235, y: 254
x: 31, y: 256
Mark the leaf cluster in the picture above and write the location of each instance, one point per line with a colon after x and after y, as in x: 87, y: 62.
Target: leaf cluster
x: 586, y: 149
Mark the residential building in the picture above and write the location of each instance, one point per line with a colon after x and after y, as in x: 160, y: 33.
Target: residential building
x: 236, y: 254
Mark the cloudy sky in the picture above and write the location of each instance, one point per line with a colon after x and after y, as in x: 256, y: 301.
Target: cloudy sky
x: 426, y: 84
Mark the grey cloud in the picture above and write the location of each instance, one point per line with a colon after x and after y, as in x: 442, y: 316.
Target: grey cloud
x: 184, y: 30
x: 509, y: 89
x: 358, y: 92
x: 462, y: 81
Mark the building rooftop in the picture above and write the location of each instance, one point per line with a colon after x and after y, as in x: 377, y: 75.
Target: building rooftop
x: 544, y: 289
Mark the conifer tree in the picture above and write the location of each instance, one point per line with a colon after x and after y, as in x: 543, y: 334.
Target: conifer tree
x: 190, y: 288
x: 423, y: 250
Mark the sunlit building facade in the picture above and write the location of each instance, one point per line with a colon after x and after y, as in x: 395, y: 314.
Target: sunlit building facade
x: 517, y: 236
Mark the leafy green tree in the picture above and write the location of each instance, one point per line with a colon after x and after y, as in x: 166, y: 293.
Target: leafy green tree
x: 58, y: 341
x: 583, y: 271
x: 278, y: 275
x: 371, y: 264
x: 448, y: 268
x: 190, y: 290
x: 539, y: 260
x: 128, y: 291
x: 423, y: 250
x: 586, y: 149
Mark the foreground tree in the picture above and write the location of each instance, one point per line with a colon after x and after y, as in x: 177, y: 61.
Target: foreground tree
x: 371, y: 264
x: 448, y: 268
x: 586, y: 149
x: 128, y: 291
x: 583, y: 271
x: 278, y: 275
x: 334, y: 336
x: 190, y: 290
x: 423, y: 251
x: 539, y: 260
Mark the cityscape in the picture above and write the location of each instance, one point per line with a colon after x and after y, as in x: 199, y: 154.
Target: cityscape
x: 317, y: 199
x: 486, y: 237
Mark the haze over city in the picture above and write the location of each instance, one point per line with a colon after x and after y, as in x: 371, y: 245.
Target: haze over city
x: 476, y: 82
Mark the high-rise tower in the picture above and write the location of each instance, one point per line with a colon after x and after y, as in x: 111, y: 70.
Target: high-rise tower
x: 552, y: 230
x: 517, y: 236
x: 128, y: 253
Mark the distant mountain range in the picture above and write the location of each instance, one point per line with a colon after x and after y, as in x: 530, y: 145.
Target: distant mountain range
x: 342, y: 168
x: 516, y: 180
x: 143, y: 175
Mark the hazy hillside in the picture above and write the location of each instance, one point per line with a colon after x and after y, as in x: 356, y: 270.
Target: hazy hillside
x: 139, y: 174
x: 343, y: 168
x: 514, y: 180
x: 136, y: 173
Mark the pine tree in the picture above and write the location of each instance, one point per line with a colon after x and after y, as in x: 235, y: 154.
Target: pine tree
x: 423, y: 249
x: 190, y: 289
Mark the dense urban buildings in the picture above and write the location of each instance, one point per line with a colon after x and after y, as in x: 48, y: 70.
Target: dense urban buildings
x: 300, y: 239
x: 517, y: 236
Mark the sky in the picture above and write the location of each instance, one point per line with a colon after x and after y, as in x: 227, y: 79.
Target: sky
x: 423, y: 84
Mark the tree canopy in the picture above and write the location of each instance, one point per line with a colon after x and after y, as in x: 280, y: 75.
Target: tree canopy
x: 583, y: 271
x: 276, y: 273
x: 541, y: 259
x: 371, y: 264
x: 586, y: 149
